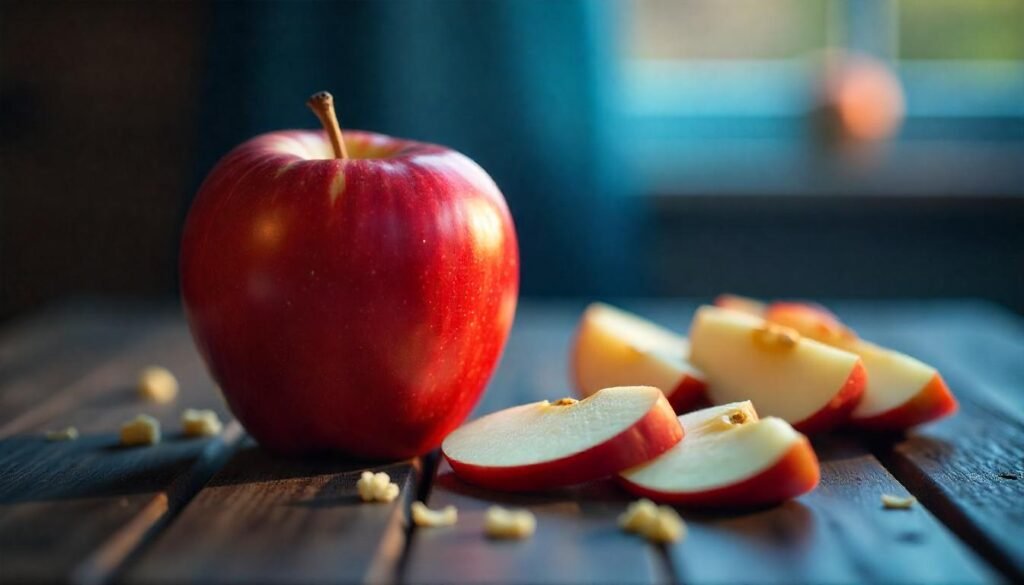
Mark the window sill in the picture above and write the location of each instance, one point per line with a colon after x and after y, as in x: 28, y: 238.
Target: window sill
x: 777, y: 167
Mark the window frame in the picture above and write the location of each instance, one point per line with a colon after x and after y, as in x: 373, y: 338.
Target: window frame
x: 709, y: 127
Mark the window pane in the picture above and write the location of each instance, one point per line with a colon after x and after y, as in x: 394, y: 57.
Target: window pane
x: 734, y: 29
x: 961, y: 29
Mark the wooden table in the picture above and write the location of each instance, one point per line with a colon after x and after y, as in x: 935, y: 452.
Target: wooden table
x: 220, y: 510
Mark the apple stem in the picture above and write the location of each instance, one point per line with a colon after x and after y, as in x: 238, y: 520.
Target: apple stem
x: 322, y: 104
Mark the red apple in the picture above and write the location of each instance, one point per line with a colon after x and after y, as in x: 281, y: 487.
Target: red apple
x: 352, y: 294
x: 730, y: 458
x: 617, y: 348
x: 550, y: 444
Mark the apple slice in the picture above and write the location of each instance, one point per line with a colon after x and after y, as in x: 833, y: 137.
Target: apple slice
x: 812, y: 385
x: 730, y: 458
x: 549, y: 444
x: 901, y: 391
x: 617, y: 348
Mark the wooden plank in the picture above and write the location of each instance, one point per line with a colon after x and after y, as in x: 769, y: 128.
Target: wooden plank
x: 76, y: 509
x: 577, y: 539
x: 265, y: 519
x: 43, y: 354
x: 82, y: 508
x: 970, y: 469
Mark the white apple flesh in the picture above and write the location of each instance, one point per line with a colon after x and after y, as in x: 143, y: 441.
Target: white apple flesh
x: 811, y: 385
x: 617, y: 348
x: 549, y: 444
x: 730, y: 458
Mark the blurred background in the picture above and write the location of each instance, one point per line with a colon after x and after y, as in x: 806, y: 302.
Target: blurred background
x: 826, y: 148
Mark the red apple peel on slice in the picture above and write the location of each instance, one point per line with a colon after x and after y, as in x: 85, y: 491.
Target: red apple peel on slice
x: 731, y: 458
x: 545, y: 444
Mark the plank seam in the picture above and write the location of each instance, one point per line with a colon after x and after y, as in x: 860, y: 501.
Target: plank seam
x: 116, y: 553
x: 931, y: 495
x: 430, y: 463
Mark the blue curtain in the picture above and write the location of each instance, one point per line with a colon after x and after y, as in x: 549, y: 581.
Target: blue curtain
x: 524, y: 87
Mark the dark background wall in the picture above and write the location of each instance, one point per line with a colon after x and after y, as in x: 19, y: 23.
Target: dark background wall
x: 112, y: 112
x: 858, y: 246
x: 98, y: 106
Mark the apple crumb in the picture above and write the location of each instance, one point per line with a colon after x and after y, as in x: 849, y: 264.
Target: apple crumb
x: 65, y: 434
x: 200, y: 423
x: 424, y: 516
x: 376, y: 487
x: 655, y: 523
x: 667, y: 527
x: 892, y: 502
x: 565, y: 402
x: 774, y: 336
x: 141, y: 430
x: 157, y: 384
x: 638, y: 516
x: 509, y: 524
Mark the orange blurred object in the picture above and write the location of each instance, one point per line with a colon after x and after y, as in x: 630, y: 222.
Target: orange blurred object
x: 861, y: 99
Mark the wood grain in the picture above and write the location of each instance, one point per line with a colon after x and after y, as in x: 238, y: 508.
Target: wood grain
x: 90, y: 511
x: 265, y: 519
x: 577, y: 539
x: 78, y: 508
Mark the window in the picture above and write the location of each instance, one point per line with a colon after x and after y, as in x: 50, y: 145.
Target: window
x: 720, y: 96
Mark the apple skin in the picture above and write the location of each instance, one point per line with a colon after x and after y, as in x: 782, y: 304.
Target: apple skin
x: 356, y: 306
x: 933, y: 402
x: 690, y: 394
x: 658, y: 431
x: 795, y: 473
x: 837, y: 412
